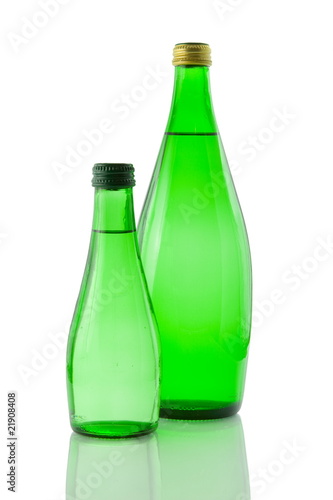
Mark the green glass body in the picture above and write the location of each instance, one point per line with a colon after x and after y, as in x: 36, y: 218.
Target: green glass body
x: 196, y: 257
x: 113, y: 349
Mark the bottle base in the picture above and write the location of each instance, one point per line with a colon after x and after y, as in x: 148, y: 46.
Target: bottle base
x: 114, y: 430
x: 197, y: 410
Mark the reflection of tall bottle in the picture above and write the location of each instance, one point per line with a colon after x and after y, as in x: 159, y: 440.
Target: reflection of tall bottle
x: 100, y: 469
x: 203, y: 460
x: 196, y: 255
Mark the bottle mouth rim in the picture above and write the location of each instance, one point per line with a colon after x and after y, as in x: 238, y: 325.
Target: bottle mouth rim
x: 192, y: 43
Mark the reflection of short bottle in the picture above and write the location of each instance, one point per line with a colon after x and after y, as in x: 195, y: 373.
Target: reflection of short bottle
x: 100, y: 469
x: 203, y: 460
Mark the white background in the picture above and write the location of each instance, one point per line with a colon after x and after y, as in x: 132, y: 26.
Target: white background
x: 268, y: 57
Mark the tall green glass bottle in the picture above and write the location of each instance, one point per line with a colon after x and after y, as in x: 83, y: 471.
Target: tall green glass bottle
x: 113, y: 349
x: 195, y: 253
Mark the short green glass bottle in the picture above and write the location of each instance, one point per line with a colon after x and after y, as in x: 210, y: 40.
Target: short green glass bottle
x: 196, y: 256
x: 113, y: 366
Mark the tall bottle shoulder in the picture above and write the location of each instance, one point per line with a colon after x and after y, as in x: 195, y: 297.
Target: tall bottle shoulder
x: 192, y: 171
x: 192, y: 213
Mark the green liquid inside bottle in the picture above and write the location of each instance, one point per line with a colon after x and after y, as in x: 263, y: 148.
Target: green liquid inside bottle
x: 113, y: 350
x: 196, y: 257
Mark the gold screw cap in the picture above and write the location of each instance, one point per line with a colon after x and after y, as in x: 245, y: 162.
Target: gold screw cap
x: 188, y: 54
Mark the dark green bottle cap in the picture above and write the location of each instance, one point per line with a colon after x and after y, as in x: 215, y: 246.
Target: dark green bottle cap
x: 113, y: 175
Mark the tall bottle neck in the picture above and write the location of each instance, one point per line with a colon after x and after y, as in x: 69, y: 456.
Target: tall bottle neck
x: 113, y: 211
x: 191, y: 109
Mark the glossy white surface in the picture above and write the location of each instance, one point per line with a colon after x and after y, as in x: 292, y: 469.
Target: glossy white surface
x: 272, y: 90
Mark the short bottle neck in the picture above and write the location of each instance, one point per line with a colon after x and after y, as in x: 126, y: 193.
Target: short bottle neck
x: 191, y: 109
x: 113, y: 211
